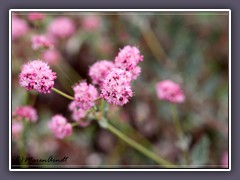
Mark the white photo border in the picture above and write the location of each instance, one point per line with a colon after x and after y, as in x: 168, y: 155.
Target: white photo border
x: 120, y: 10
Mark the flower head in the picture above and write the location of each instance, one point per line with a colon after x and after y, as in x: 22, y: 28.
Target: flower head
x: 61, y: 27
x: 60, y: 127
x: 91, y: 23
x: 52, y: 56
x: 99, y: 70
x: 85, y: 95
x: 37, y: 75
x: 116, y: 88
x: 25, y: 112
x: 17, y: 129
x: 128, y: 58
x: 41, y: 41
x: 170, y: 91
x: 78, y: 114
x: 19, y: 27
x: 36, y: 16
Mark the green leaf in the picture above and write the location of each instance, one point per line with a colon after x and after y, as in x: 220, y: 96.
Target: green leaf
x: 199, y: 153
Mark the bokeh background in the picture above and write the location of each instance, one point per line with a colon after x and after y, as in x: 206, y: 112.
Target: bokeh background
x: 190, y: 48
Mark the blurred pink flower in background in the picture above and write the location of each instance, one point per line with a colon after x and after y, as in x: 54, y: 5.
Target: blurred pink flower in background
x: 224, y: 160
x: 60, y: 127
x: 17, y: 129
x: 61, y: 27
x: 51, y: 56
x: 128, y: 58
x: 77, y: 113
x: 41, y: 41
x: 37, y: 75
x: 170, y: 91
x: 91, y: 23
x: 36, y: 16
x: 19, y: 27
x: 85, y: 95
x: 25, y: 112
x: 99, y: 71
x: 116, y: 88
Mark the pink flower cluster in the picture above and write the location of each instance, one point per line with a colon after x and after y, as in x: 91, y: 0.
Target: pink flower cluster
x: 61, y: 27
x: 19, y: 27
x: 84, y: 97
x: 17, y: 129
x: 128, y: 58
x: 99, y: 71
x: 36, y: 16
x: 37, y: 75
x: 91, y: 23
x: 170, y: 91
x: 114, y: 78
x: 41, y: 41
x: 52, y: 56
x: 60, y: 127
x: 25, y: 112
x: 116, y: 88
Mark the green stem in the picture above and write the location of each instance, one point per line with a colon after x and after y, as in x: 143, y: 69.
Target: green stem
x: 180, y: 132
x: 63, y: 94
x: 164, y: 163
x: 176, y: 121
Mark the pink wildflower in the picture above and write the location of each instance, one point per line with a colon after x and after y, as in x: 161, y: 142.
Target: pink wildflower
x: 60, y: 127
x: 36, y: 16
x: 116, y: 88
x: 25, y: 112
x: 52, y: 56
x: 17, y: 129
x: 41, y: 41
x: 128, y: 58
x: 78, y: 114
x: 99, y: 70
x: 91, y: 23
x: 170, y: 91
x: 224, y: 160
x: 19, y: 27
x: 62, y: 27
x: 37, y: 75
x: 85, y: 95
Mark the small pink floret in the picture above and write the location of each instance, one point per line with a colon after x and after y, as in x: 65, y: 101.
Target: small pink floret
x: 41, y: 41
x: 61, y: 27
x: 91, y: 23
x: 85, y: 95
x: 19, y: 27
x: 170, y: 91
x: 17, y: 129
x: 52, y: 56
x: 116, y: 88
x: 60, y: 127
x: 25, y: 112
x: 99, y: 71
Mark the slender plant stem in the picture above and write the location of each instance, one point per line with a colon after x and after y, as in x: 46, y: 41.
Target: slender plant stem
x: 63, y: 94
x: 180, y: 132
x: 164, y: 163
